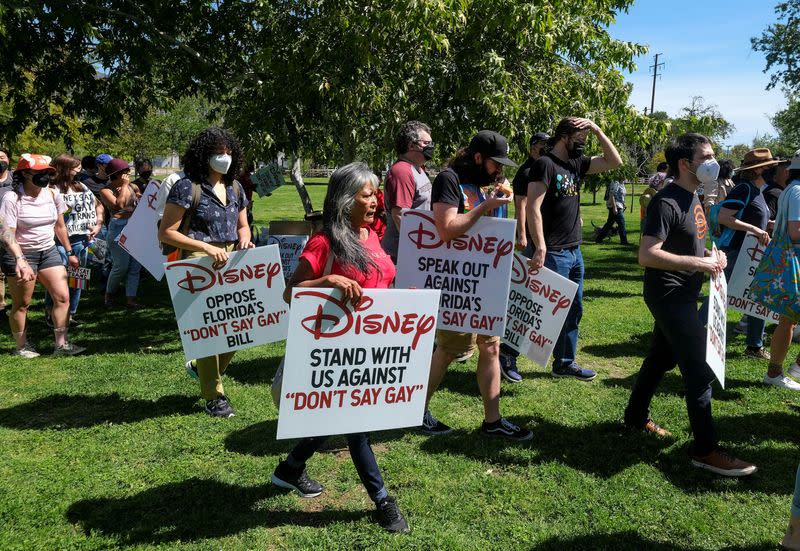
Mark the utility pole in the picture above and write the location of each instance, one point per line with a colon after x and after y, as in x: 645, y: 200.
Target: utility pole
x: 654, y: 67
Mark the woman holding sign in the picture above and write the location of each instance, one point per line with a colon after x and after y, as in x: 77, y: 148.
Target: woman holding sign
x: 213, y: 226
x: 345, y: 255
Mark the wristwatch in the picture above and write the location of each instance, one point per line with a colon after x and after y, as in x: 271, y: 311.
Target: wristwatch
x: 70, y: 253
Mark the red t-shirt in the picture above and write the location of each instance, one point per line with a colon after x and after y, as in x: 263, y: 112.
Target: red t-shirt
x: 316, y: 254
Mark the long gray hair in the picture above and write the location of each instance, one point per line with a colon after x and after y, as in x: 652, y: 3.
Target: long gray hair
x: 346, y: 182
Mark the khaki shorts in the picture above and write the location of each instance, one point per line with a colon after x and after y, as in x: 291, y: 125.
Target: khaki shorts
x: 461, y: 343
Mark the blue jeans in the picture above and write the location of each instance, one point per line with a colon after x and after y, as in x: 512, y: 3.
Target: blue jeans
x: 568, y: 263
x: 79, y: 243
x: 755, y: 326
x: 360, y: 452
x: 123, y: 264
x: 796, y: 500
x: 678, y: 338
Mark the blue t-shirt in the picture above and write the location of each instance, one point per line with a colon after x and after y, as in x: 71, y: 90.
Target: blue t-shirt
x: 213, y: 222
x: 792, y: 193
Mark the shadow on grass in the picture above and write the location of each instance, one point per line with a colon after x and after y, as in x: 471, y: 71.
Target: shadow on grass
x: 62, y: 412
x: 627, y: 541
x: 636, y: 345
x: 191, y: 510
x: 254, y: 371
x: 672, y: 385
x: 464, y: 382
x: 589, y: 294
x: 613, y: 275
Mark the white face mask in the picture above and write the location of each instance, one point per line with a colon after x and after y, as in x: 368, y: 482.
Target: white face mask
x: 220, y: 163
x: 707, y: 171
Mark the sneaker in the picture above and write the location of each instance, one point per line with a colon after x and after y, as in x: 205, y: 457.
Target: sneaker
x: 576, y: 371
x: 794, y: 370
x: 503, y: 427
x: 68, y: 349
x: 724, y: 464
x: 432, y: 426
x: 781, y: 381
x: 286, y: 477
x: 760, y: 353
x: 464, y: 358
x: 389, y: 516
x: 73, y: 323
x: 741, y: 327
x: 651, y: 427
x: 220, y: 407
x: 508, y: 368
x: 26, y: 351
x: 191, y: 370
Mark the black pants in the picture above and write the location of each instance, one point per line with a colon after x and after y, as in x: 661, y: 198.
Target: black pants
x: 678, y: 337
x: 614, y: 217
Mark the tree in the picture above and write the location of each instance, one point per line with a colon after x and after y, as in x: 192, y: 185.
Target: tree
x: 787, y: 123
x: 780, y: 42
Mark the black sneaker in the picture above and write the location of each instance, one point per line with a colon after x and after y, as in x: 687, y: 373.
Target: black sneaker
x: 73, y: 323
x: 432, y: 426
x: 286, y: 477
x: 508, y: 368
x: 389, y: 516
x: 220, y: 407
x: 503, y: 427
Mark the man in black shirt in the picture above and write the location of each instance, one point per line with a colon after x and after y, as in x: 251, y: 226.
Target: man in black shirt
x: 673, y: 253
x: 555, y: 224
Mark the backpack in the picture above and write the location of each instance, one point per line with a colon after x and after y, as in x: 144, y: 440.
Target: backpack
x: 722, y: 235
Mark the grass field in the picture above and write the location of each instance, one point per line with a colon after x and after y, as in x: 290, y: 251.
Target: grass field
x: 112, y: 450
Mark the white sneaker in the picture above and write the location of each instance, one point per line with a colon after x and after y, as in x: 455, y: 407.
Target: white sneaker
x: 26, y: 351
x: 68, y: 349
x: 794, y: 370
x: 781, y: 381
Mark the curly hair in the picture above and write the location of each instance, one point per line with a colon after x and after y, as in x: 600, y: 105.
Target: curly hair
x: 63, y: 164
x: 409, y: 133
x: 346, y: 182
x: 203, y: 147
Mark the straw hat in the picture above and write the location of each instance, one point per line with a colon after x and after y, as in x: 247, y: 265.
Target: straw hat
x: 757, y: 158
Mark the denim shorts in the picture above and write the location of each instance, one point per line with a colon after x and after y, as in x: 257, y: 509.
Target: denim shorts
x: 37, y: 260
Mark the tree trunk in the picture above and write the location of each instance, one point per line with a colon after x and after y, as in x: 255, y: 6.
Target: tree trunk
x: 296, y: 174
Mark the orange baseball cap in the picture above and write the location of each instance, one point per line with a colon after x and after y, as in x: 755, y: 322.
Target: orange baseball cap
x: 32, y: 161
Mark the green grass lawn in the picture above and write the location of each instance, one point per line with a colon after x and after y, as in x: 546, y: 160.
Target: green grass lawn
x: 112, y: 450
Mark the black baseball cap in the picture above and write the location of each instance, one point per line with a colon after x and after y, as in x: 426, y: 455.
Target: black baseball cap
x: 539, y: 137
x: 491, y: 144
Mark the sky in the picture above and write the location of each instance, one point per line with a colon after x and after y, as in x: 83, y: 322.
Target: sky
x: 705, y: 47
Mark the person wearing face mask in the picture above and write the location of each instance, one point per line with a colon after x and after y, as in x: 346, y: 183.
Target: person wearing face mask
x: 5, y: 185
x: 745, y: 210
x: 217, y: 226
x: 458, y: 202
x: 120, y: 198
x: 34, y: 213
x: 676, y: 262
x: 555, y: 224
x: 407, y: 184
x: 144, y: 173
x: 99, y: 179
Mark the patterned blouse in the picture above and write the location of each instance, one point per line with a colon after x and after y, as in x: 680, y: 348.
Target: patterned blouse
x: 213, y: 222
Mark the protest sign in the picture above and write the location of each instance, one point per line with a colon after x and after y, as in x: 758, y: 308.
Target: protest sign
x: 356, y: 368
x: 140, y: 235
x: 472, y: 270
x: 78, y: 278
x: 538, y: 303
x: 716, y: 326
x: 236, y: 306
x: 291, y: 246
x: 742, y: 277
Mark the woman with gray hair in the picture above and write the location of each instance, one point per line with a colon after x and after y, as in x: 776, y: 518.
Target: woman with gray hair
x: 345, y: 255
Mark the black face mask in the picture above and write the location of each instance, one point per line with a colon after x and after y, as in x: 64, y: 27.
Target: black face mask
x: 577, y: 150
x: 427, y: 151
x: 146, y: 174
x: 41, y: 179
x: 3, y: 166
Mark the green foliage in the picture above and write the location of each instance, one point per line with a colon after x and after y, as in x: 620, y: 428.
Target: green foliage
x: 787, y: 123
x: 781, y: 44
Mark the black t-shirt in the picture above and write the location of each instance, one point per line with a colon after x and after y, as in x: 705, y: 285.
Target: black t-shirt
x: 561, y: 206
x: 756, y: 212
x: 95, y: 184
x: 771, y: 194
x: 522, y: 177
x: 447, y: 189
x: 675, y: 217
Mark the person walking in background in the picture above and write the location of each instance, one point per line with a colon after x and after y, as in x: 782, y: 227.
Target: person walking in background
x: 120, y: 197
x: 718, y: 190
x: 615, y: 203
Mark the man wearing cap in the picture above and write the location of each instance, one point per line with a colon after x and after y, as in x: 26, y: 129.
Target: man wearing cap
x: 555, y: 224
x: 100, y: 179
x: 458, y: 202
x: 537, y: 146
x: 407, y: 184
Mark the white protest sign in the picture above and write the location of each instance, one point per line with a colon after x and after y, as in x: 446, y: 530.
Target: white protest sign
x: 78, y: 278
x: 237, y: 306
x: 356, y: 368
x: 742, y: 277
x: 140, y: 235
x: 291, y: 246
x: 716, y: 326
x: 538, y: 304
x: 472, y: 270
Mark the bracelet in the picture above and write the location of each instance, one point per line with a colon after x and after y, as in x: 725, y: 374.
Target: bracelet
x: 70, y: 253
x: 21, y: 257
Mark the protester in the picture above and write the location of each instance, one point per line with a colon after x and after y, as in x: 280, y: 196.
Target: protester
x: 674, y: 256
x: 99, y: 179
x: 215, y: 226
x: 5, y: 173
x: 144, y: 173
x: 555, y: 224
x: 407, y: 183
x: 83, y: 220
x: 166, y: 187
x: 718, y: 190
x: 658, y: 180
x: 615, y: 203
x: 345, y: 255
x: 458, y: 203
x: 120, y: 197
x: 744, y: 210
x: 776, y: 177
x: 33, y: 212
x: 791, y: 540
x: 246, y: 180
x: 88, y: 168
x: 537, y: 146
